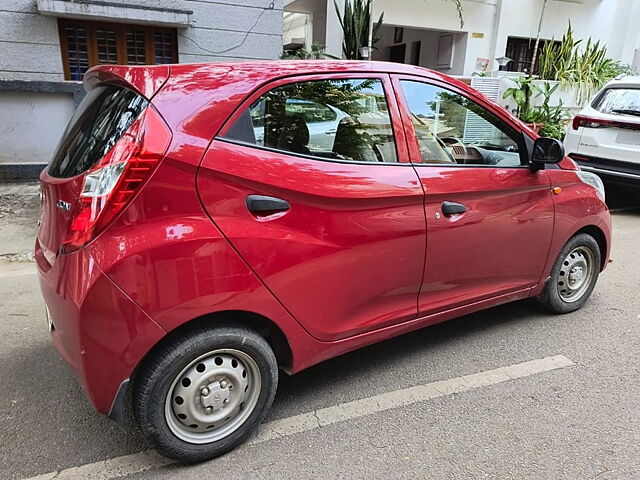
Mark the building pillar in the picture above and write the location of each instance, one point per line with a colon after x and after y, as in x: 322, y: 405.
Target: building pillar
x: 495, y: 33
x: 333, y: 39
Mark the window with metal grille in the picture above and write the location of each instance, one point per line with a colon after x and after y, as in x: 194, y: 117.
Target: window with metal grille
x: 85, y: 44
x: 520, y: 51
x: 77, y: 61
x: 164, y: 46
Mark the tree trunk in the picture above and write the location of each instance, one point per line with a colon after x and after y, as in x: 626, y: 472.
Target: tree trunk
x: 535, y: 46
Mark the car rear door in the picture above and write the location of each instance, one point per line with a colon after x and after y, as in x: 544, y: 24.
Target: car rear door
x: 489, y: 217
x: 337, y: 233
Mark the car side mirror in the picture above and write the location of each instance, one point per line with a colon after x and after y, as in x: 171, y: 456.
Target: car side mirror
x: 546, y: 150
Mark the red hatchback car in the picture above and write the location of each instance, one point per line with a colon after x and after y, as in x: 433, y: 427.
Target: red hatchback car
x: 204, y: 226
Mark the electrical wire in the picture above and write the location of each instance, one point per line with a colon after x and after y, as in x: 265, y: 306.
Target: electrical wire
x: 244, y: 39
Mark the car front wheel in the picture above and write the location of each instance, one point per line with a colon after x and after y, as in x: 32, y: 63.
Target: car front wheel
x: 205, y: 392
x: 573, y: 276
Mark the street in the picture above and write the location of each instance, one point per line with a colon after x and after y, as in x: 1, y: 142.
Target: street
x: 576, y: 419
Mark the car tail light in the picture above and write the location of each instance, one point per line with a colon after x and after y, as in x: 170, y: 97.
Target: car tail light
x: 589, y: 122
x: 579, y: 158
x: 117, y: 177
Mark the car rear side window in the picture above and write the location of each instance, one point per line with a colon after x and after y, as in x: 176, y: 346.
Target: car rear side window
x: 102, y: 117
x: 340, y: 119
x: 618, y: 101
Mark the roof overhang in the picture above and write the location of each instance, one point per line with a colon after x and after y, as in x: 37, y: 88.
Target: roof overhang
x: 107, y: 11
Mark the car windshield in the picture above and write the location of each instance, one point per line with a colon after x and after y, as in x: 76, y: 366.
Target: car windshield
x: 619, y: 101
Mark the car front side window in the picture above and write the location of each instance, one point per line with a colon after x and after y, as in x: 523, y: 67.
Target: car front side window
x: 339, y: 119
x: 454, y: 130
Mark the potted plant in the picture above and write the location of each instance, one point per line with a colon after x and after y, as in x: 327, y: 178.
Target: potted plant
x: 547, y: 120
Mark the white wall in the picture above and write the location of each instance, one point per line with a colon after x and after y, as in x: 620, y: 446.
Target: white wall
x: 29, y: 43
x: 428, y: 49
x: 31, y: 125
x: 613, y: 22
x: 333, y: 35
x: 220, y: 30
x: 489, y: 23
x: 442, y: 15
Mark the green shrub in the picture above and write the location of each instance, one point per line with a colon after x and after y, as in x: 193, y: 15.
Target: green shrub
x: 586, y: 68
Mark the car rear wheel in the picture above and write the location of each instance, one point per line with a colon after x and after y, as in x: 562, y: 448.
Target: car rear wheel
x: 205, y: 392
x: 573, y: 276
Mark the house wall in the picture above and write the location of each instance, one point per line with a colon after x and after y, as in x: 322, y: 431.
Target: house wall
x: 613, y: 22
x: 30, y: 44
x: 489, y: 23
x: 30, y: 54
x: 428, y: 49
x: 442, y: 15
x: 31, y: 126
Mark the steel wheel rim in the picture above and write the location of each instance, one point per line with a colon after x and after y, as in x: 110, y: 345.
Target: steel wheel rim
x: 213, y: 396
x: 575, y: 275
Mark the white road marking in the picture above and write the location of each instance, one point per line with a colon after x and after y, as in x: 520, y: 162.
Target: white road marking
x: 139, y: 462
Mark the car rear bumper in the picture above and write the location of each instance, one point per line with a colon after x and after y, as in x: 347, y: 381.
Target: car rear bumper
x: 100, y: 332
x: 627, y: 172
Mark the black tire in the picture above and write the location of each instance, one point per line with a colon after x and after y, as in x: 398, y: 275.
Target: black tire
x: 551, y: 298
x: 158, y: 373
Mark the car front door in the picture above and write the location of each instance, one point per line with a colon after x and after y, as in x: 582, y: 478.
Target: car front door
x: 336, y: 231
x: 489, y: 216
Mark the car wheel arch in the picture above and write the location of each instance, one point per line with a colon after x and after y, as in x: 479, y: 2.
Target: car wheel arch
x: 600, y: 238
x: 266, y: 327
x: 121, y: 408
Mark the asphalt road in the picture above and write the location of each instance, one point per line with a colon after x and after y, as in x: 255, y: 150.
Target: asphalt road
x: 576, y: 422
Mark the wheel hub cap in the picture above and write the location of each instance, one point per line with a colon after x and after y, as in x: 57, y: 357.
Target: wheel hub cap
x: 575, y: 274
x: 212, y: 396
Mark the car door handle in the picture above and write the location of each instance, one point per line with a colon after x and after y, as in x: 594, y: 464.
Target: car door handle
x: 452, y: 208
x: 260, y: 204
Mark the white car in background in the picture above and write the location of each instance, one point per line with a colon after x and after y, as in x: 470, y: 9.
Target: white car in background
x: 604, y: 137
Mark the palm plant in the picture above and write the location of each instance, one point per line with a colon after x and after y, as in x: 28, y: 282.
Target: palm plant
x: 355, y: 23
x: 586, y: 68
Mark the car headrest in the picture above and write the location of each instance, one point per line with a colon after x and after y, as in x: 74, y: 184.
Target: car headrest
x: 294, y: 135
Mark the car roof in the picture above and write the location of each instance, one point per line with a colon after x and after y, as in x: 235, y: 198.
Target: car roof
x: 148, y: 79
x: 268, y: 70
x: 310, y: 66
x: 627, y: 81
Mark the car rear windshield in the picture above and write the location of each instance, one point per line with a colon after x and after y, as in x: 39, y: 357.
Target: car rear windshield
x: 102, y: 117
x: 618, y: 101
